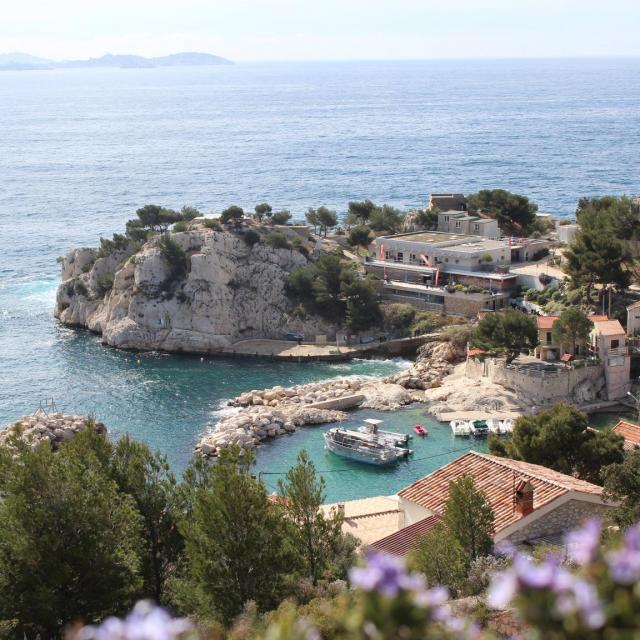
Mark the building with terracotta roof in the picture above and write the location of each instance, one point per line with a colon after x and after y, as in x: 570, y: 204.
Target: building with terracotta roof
x: 630, y: 432
x: 609, y: 342
x: 530, y: 502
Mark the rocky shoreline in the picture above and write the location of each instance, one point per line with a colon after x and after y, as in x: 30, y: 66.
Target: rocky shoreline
x: 55, y: 428
x: 268, y: 413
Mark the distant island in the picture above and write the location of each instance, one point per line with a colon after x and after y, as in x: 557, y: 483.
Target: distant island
x: 27, y: 62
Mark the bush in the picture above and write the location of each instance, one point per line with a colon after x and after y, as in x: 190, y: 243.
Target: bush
x: 399, y: 318
x: 105, y: 282
x: 176, y: 259
x: 281, y: 217
x: 545, y: 279
x: 297, y: 244
x: 108, y: 247
x: 80, y: 288
x: 209, y: 223
x: 251, y: 237
x: 278, y: 240
x: 538, y: 255
x: 180, y: 227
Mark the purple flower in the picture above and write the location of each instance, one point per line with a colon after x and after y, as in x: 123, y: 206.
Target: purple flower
x: 535, y: 576
x: 624, y: 565
x: 145, y: 622
x: 632, y: 538
x: 582, y: 544
x: 506, y: 548
x: 384, y: 573
x: 502, y: 590
x: 588, y: 604
x: 435, y: 597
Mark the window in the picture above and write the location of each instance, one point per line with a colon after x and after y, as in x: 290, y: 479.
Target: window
x: 399, y: 256
x: 457, y: 261
x: 457, y: 224
x: 476, y: 227
x: 616, y: 361
x: 549, y: 337
x: 615, y: 344
x: 446, y: 218
x: 446, y: 259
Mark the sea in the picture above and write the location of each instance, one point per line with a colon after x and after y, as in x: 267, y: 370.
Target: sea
x: 81, y: 150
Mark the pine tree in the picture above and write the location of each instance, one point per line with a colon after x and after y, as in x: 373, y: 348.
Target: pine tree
x: 316, y: 536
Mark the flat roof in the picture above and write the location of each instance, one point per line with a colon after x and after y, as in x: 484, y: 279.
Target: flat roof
x: 453, y: 241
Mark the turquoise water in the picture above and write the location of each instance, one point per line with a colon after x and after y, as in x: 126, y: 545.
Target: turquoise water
x: 80, y: 150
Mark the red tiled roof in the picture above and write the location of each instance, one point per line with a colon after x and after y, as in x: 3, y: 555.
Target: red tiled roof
x: 598, y: 318
x: 630, y: 432
x: 546, y: 322
x: 400, y: 542
x: 474, y: 352
x: 609, y: 327
x: 496, y: 478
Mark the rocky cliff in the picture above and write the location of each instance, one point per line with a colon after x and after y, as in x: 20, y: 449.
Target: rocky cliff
x: 232, y: 290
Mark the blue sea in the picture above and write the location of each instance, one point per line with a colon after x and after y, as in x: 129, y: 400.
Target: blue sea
x: 80, y: 150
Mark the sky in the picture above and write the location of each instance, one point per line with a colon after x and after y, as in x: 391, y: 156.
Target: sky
x: 255, y: 30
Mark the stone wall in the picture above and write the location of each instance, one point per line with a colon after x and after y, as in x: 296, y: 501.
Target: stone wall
x: 583, y: 386
x: 567, y: 516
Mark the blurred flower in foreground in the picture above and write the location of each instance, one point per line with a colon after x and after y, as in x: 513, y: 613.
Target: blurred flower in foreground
x: 145, y: 622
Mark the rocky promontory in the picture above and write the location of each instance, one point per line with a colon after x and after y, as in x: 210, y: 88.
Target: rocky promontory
x: 55, y: 428
x: 231, y: 288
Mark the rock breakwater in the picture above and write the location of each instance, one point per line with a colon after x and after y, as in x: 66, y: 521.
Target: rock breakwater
x: 273, y: 412
x: 55, y: 428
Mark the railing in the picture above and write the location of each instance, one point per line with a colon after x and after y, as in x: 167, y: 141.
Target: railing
x: 618, y: 351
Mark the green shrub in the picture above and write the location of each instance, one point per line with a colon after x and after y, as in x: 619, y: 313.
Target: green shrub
x: 105, y: 282
x: 179, y: 227
x: 80, y: 288
x: 107, y: 247
x: 399, y: 318
x: 210, y: 223
x: 281, y: 217
x: 297, y: 244
x: 176, y: 259
x: 278, y: 240
x: 251, y: 237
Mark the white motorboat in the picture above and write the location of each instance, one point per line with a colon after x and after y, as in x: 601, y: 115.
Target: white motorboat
x: 460, y: 428
x: 500, y: 427
x: 371, y: 427
x: 362, y: 447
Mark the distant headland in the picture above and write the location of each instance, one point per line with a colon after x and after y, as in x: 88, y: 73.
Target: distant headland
x: 27, y: 62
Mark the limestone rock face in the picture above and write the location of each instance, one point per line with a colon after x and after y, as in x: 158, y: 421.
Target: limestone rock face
x: 232, y: 292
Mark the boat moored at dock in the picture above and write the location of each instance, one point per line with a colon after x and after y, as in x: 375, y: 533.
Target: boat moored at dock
x: 371, y: 427
x: 362, y: 447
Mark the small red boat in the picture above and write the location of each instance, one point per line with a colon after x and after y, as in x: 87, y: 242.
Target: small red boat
x: 420, y: 430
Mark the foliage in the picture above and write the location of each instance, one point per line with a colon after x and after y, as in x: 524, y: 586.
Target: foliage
x: 157, y: 218
x: 515, y: 213
x: 359, y: 237
x: 263, y: 209
x: 509, y: 332
x: 334, y: 290
x: 360, y: 211
x: 108, y: 247
x: 71, y: 542
x: 572, y: 326
x: 278, y: 240
x: 311, y: 217
x: 281, y: 217
x: 175, y: 258
x: 559, y: 438
x: 297, y: 243
x: 251, y: 237
x: 105, y: 282
x: 232, y: 214
x: 363, y: 308
x: 210, y: 223
x: 427, y: 218
x: 80, y: 288
x: 386, y: 218
x: 147, y: 478
x: 440, y: 558
x: 398, y: 318
x: 469, y: 519
x: 188, y: 213
x: 180, y: 227
x: 622, y: 485
x: 235, y: 539
x: 315, y: 536
x: 327, y: 219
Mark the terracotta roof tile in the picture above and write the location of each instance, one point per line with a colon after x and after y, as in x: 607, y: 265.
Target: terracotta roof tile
x: 496, y: 477
x: 598, y: 318
x: 609, y: 327
x: 400, y: 542
x: 546, y: 322
x: 630, y: 432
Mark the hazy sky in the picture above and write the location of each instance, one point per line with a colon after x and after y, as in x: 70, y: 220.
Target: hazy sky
x: 322, y: 29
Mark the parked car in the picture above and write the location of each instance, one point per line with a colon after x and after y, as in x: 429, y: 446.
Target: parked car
x: 294, y: 337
